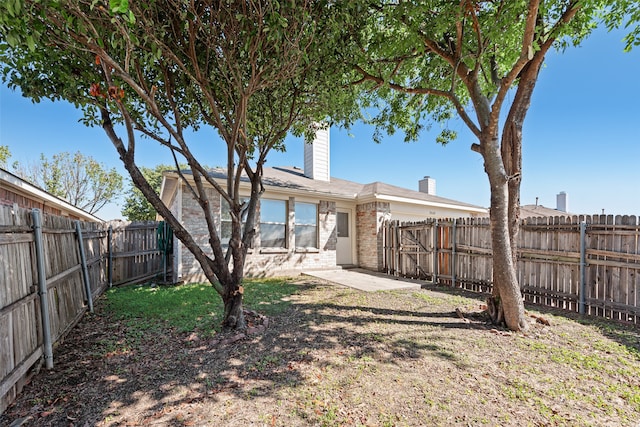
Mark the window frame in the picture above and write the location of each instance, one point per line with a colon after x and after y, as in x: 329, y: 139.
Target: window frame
x: 344, y: 223
x: 284, y: 223
x: 315, y: 226
x: 224, y: 210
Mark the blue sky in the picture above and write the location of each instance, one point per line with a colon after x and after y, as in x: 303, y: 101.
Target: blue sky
x: 581, y: 136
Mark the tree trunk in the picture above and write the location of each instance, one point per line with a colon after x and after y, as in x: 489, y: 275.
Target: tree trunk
x: 511, y: 147
x: 511, y: 144
x: 231, y: 281
x: 504, y: 168
x: 505, y: 303
x: 233, y: 311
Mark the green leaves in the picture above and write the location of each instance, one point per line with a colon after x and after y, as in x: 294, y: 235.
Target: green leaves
x: 463, y: 53
x: 10, y: 11
x: 624, y: 14
x: 121, y: 7
x: 13, y: 7
x: 136, y: 207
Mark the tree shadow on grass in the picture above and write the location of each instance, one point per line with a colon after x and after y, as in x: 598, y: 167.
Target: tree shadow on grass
x: 109, y: 374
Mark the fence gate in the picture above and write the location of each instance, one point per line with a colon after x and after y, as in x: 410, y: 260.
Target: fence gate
x: 410, y: 250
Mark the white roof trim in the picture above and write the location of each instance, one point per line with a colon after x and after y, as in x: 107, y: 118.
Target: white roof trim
x: 22, y: 185
x: 170, y: 185
x: 308, y: 192
x: 428, y: 203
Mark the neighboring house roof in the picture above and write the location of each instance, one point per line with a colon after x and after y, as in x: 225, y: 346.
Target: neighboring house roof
x: 41, y: 199
x: 293, y: 180
x: 528, y: 211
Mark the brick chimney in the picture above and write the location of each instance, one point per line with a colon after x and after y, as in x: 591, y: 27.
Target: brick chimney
x: 427, y: 185
x: 316, y: 156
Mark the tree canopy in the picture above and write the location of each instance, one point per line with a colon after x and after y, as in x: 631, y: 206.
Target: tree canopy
x: 4, y: 155
x: 252, y: 70
x: 136, y: 206
x: 423, y: 57
x: 80, y: 180
x: 430, y: 60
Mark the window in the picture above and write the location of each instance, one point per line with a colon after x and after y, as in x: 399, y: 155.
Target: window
x: 273, y: 223
x: 306, y: 225
x: 225, y: 220
x: 343, y: 224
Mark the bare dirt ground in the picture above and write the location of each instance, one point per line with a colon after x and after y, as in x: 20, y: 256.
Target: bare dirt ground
x: 341, y: 357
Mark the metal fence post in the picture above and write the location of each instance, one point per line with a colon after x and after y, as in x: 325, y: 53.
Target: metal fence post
x: 83, y: 263
x: 42, y: 289
x: 110, y: 252
x: 435, y: 251
x: 583, y: 264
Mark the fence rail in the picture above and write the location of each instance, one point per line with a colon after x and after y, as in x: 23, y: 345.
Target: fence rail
x: 64, y: 264
x: 588, y: 264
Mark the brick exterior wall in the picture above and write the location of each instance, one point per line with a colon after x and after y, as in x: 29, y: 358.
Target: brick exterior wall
x: 193, y: 221
x: 261, y: 262
x: 369, y: 220
x: 178, y: 247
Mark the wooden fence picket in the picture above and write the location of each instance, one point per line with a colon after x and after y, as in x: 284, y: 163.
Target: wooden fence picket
x: 548, y: 256
x: 21, y: 333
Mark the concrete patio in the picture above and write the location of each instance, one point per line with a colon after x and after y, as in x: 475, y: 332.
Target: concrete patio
x: 365, y: 280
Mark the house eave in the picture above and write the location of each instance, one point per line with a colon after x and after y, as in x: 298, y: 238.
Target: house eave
x: 20, y: 186
x: 309, y: 192
x: 434, y: 204
x: 168, y: 188
x: 351, y: 198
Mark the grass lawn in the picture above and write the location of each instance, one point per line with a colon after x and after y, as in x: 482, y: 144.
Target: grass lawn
x: 332, y: 357
x: 192, y: 307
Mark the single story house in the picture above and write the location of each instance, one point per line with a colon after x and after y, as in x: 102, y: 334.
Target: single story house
x: 15, y: 191
x: 309, y: 220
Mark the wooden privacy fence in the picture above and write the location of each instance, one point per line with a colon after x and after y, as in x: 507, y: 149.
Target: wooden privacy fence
x: 586, y: 264
x: 51, y: 270
x: 136, y: 255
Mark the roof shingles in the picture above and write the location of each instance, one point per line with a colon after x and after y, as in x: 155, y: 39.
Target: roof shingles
x: 294, y: 178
